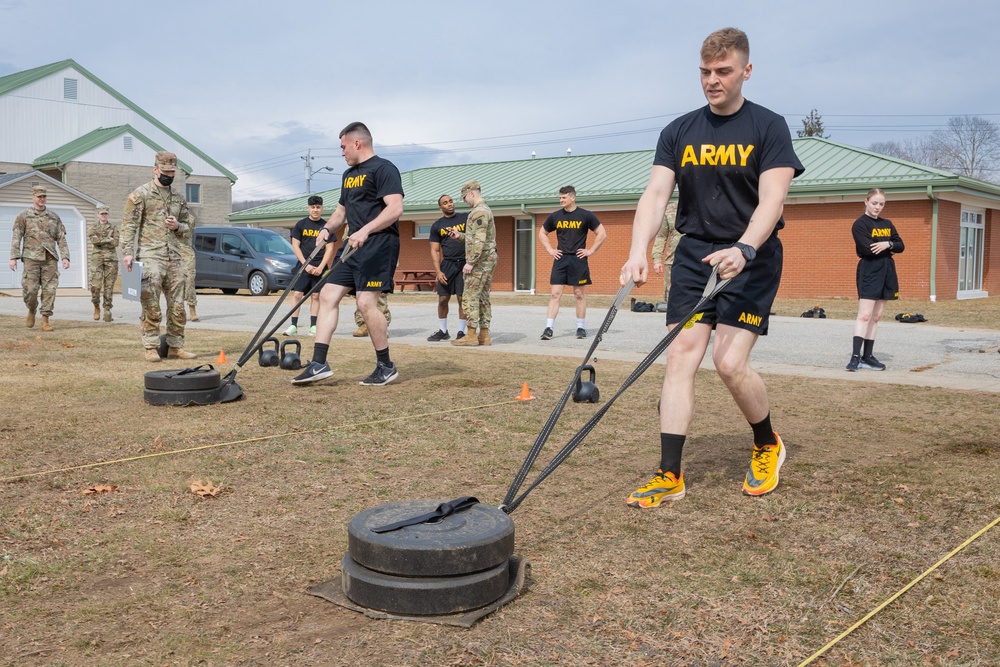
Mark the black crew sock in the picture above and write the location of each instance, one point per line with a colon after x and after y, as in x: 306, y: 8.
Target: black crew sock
x: 383, y: 356
x: 671, y: 446
x: 763, y: 434
x: 312, y: 320
x: 858, y: 340
x: 869, y: 344
x: 295, y: 321
x: 319, y: 352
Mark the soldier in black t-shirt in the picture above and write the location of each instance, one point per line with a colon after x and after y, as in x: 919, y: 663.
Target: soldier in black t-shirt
x: 448, y: 255
x: 571, y: 225
x: 304, y: 236
x: 371, y: 201
x: 733, y: 163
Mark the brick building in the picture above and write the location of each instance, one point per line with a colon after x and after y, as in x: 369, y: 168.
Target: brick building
x: 61, y: 121
x: 948, y: 222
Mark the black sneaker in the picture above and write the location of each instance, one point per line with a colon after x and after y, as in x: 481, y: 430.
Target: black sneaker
x: 853, y: 364
x: 382, y: 374
x: 581, y: 333
x: 871, y: 363
x: 313, y: 373
x: 460, y: 336
x: 439, y: 335
x: 547, y: 334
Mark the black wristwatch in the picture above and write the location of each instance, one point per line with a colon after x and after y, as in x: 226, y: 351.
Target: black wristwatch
x: 748, y: 251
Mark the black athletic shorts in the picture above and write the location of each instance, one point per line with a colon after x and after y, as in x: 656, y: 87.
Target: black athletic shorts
x: 456, y: 279
x: 306, y: 281
x: 371, y: 266
x: 744, y: 303
x: 570, y: 270
x: 877, y: 279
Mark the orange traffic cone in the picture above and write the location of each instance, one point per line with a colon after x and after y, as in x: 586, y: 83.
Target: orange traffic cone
x: 222, y: 357
x: 525, y: 394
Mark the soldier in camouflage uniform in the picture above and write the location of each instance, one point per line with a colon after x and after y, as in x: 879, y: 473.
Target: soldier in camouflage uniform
x: 41, y: 231
x: 103, y: 263
x: 190, y: 294
x: 664, y: 247
x: 480, y: 260
x: 158, y: 222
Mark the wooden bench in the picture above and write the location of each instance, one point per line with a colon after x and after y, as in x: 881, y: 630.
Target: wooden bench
x: 418, y: 279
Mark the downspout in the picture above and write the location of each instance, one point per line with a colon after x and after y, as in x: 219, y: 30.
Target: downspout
x: 934, y: 241
x: 524, y: 210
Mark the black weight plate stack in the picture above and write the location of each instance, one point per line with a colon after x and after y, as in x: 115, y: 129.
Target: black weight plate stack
x: 188, y: 386
x: 455, y: 564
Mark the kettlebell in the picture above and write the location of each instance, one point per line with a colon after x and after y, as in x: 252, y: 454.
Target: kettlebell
x: 586, y: 391
x: 163, y: 348
x: 290, y: 360
x: 268, y: 357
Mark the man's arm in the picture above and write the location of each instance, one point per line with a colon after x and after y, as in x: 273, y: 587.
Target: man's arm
x: 336, y: 221
x: 774, y: 184
x: 648, y: 218
x: 543, y: 238
x: 15, y: 241
x: 600, y: 234
x: 436, y: 256
x: 390, y: 214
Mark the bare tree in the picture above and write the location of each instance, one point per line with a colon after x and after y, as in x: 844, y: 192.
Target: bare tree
x: 970, y: 146
x: 812, y: 126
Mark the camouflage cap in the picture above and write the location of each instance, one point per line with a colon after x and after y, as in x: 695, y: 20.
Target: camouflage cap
x: 166, y: 161
x: 471, y: 185
x: 102, y: 209
x: 39, y: 190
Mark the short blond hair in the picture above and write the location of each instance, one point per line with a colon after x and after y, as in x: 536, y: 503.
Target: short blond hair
x: 721, y: 42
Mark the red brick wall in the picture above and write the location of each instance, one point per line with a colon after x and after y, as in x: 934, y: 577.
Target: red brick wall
x: 991, y: 255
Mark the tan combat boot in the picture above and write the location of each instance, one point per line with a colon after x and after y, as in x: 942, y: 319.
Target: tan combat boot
x: 180, y: 353
x: 107, y: 315
x: 45, y: 323
x: 152, y: 356
x: 30, y: 319
x: 193, y: 317
x: 468, y: 340
x: 361, y: 331
x: 97, y: 311
x: 484, y: 336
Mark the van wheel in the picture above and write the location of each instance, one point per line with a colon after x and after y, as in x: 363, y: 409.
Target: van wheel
x: 229, y: 290
x: 257, y: 284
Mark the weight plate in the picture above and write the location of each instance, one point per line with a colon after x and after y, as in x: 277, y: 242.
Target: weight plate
x: 190, y: 397
x: 478, y: 538
x: 203, y: 377
x: 422, y: 595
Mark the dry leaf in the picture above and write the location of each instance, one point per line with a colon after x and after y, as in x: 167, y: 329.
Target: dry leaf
x: 38, y: 337
x: 157, y: 444
x: 101, y: 488
x: 204, y: 488
x: 903, y: 487
x: 30, y: 363
x: 68, y: 344
x: 898, y: 500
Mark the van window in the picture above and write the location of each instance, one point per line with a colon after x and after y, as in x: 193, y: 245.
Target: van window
x: 205, y: 242
x: 269, y: 243
x: 234, y: 245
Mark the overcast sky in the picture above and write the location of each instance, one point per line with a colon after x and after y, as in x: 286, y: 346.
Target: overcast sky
x: 256, y: 85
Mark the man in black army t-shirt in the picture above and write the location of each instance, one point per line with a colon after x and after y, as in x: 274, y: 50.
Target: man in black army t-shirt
x: 733, y: 163
x: 448, y: 255
x: 304, y: 236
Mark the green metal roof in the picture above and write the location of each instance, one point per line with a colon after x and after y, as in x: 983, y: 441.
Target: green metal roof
x: 19, y: 79
x: 610, y: 178
x: 74, y: 149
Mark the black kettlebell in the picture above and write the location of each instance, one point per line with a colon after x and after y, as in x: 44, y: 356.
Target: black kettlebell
x: 163, y: 348
x: 290, y: 361
x: 586, y: 391
x: 268, y: 357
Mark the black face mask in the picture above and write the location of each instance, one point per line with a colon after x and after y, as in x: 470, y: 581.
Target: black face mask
x: 165, y: 180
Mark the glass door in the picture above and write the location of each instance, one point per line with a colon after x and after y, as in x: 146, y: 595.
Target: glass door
x: 970, y: 255
x: 524, y: 256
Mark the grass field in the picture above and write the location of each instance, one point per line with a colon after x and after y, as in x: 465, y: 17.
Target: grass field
x: 881, y: 482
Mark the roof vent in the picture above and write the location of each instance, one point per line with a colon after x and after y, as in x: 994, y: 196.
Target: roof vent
x: 127, y: 142
x: 569, y: 151
x: 69, y: 89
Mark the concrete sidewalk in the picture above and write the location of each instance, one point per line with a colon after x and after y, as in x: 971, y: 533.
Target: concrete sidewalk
x: 916, y: 354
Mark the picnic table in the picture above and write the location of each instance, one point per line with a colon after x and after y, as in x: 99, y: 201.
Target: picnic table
x: 416, y: 278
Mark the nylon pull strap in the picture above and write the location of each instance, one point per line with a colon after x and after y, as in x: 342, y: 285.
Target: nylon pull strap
x: 443, y: 510
x: 193, y: 370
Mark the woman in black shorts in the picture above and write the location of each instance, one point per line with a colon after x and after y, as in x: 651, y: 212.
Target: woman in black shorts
x: 876, y: 241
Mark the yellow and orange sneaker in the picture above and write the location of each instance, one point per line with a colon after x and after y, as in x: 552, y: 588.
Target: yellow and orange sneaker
x: 663, y: 486
x: 764, y: 466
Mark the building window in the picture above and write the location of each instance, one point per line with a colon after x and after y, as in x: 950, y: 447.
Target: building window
x: 970, y: 255
x: 192, y: 192
x: 421, y: 231
x: 127, y: 142
x: 69, y: 89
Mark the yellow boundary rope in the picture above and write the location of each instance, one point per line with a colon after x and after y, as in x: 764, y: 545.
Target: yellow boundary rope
x: 901, y: 591
x: 248, y: 440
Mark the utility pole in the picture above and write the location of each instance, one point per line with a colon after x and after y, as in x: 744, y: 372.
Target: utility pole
x: 308, y: 158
